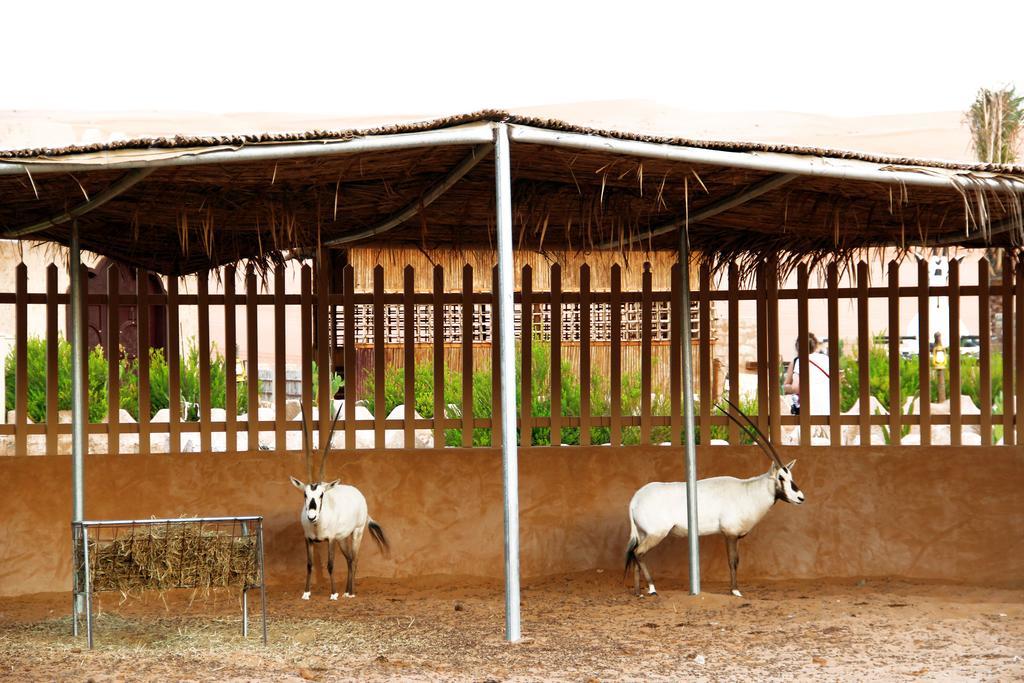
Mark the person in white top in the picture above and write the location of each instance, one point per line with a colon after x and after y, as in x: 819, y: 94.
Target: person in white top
x: 818, y: 378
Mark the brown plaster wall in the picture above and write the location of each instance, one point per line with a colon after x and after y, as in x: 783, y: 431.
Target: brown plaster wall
x: 950, y: 513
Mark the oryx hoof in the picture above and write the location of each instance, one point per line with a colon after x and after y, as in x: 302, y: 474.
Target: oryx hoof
x: 334, y: 596
x: 737, y: 593
x: 349, y: 595
x: 305, y: 596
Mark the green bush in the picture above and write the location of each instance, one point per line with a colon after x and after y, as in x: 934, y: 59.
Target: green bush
x: 159, y: 380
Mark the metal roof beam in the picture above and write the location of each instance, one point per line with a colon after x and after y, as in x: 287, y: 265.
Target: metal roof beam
x: 719, y: 206
x: 417, y: 205
x: 772, y: 162
x: 126, y: 182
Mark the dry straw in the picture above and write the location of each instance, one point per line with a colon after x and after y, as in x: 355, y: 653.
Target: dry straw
x: 179, y: 555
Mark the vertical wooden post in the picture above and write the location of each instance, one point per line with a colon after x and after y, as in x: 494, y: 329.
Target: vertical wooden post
x: 142, y: 318
x: 764, y: 387
x: 616, y: 356
x: 556, y: 354
x: 774, y: 404
x: 203, y: 310
x: 252, y: 364
x: 380, y: 408
x: 734, y: 348
x: 526, y: 346
x: 863, y: 354
x: 467, y: 356
x: 306, y: 350
x: 1009, y: 408
x: 955, y: 418
x: 439, y: 406
x: 706, y: 399
x: 985, y: 352
x: 495, y: 360
x: 230, y: 362
x: 645, y: 354
x: 21, y: 360
x: 585, y: 355
x: 804, y: 352
x: 280, y: 341
x: 173, y: 367
x: 1019, y: 342
x: 895, y: 400
x: 348, y: 284
x: 409, y: 355
x: 924, y: 353
x: 52, y: 415
x: 835, y: 429
x: 325, y: 400
x: 113, y: 343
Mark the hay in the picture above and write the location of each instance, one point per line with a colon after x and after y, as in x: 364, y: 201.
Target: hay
x: 179, y: 555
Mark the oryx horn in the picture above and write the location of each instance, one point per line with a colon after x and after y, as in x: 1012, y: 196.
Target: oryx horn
x: 753, y: 431
x: 305, y: 442
x: 327, y: 445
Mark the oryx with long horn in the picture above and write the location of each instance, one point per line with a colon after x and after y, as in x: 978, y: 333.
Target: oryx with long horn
x: 725, y: 505
x: 333, y: 512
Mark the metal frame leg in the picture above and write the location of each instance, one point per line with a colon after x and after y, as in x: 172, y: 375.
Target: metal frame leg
x: 245, y: 594
x: 88, y: 582
x: 263, y: 581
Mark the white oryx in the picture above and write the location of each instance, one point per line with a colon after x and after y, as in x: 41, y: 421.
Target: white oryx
x: 333, y: 512
x: 725, y: 505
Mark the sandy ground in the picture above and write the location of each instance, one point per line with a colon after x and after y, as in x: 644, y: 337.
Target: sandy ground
x: 580, y: 627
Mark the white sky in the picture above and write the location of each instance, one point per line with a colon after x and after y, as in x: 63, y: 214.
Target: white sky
x: 856, y: 57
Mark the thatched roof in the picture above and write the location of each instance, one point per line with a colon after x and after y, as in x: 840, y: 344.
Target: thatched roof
x: 183, y: 218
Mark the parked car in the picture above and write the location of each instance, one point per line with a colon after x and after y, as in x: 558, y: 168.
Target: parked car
x: 970, y: 345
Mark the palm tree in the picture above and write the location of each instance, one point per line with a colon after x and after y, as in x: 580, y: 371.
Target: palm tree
x: 996, y: 120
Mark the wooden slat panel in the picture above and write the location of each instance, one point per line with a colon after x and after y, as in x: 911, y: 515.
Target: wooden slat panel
x: 439, y: 406
x: 380, y: 413
x: 924, y: 354
x: 230, y: 361
x: 585, y: 299
x: 52, y: 407
x: 409, y: 354
x: 835, y: 430
x: 734, y: 348
x: 704, y: 383
x: 616, y: 356
x: 21, y: 360
x: 526, y: 344
x: 1019, y: 343
x: 955, y: 420
x: 895, y: 401
x: 306, y: 334
x: 325, y: 402
x: 984, y: 355
x: 252, y: 363
x: 467, y: 356
x: 280, y: 353
x: 495, y: 361
x: 173, y: 367
x: 348, y: 285
x: 863, y: 354
x: 113, y: 352
x: 762, y: 347
x: 1008, y: 394
x: 645, y: 356
x: 774, y: 404
x: 803, y: 351
x: 556, y: 354
x: 203, y: 311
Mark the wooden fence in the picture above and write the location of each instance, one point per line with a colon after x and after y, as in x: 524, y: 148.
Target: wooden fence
x: 639, y: 425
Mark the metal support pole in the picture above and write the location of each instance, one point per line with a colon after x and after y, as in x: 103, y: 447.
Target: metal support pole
x: 78, y: 443
x: 245, y: 591
x: 506, y: 311
x: 688, y: 424
x: 263, y: 580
